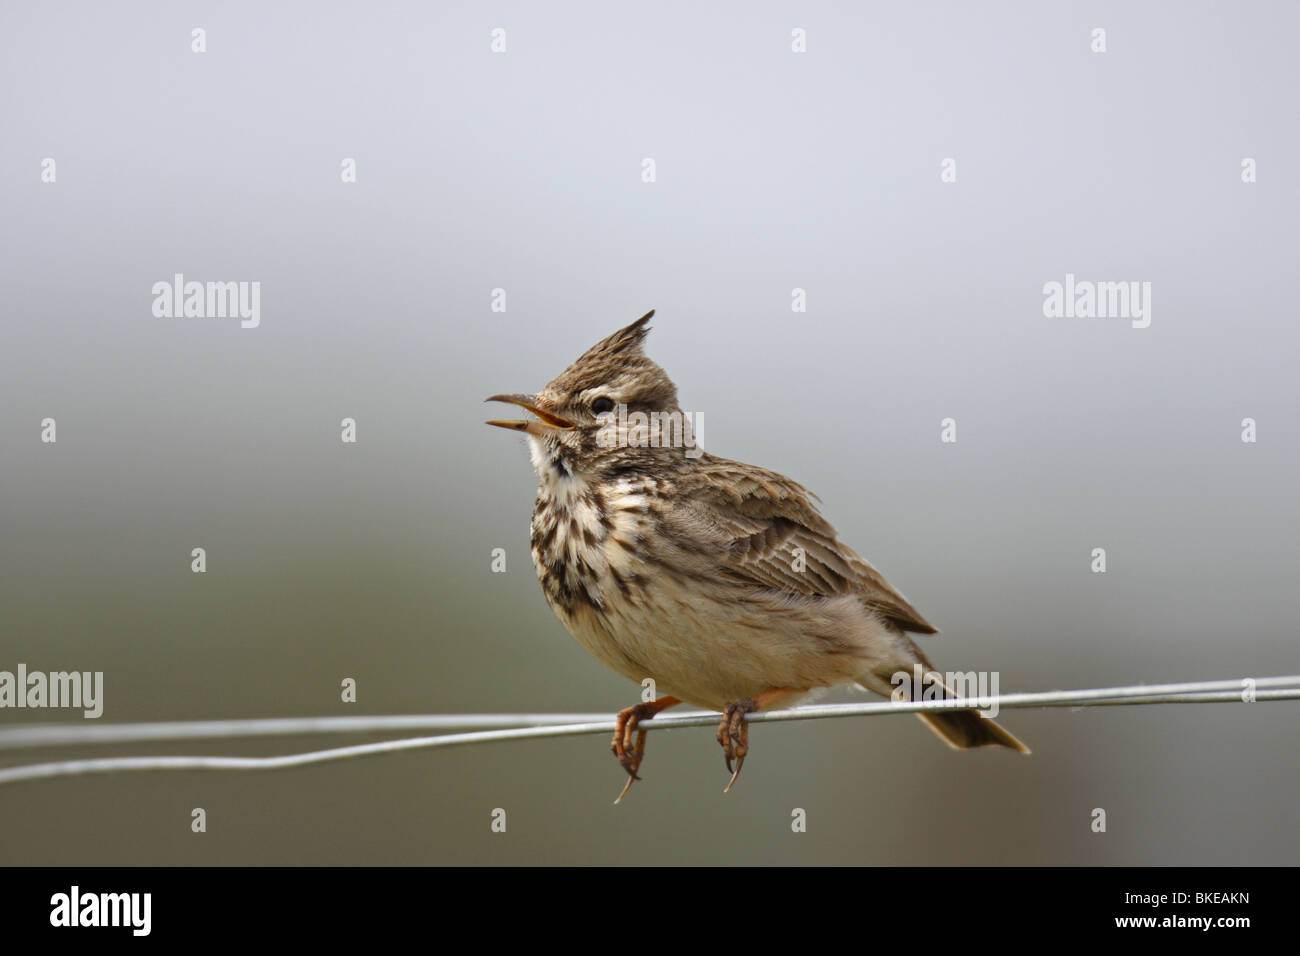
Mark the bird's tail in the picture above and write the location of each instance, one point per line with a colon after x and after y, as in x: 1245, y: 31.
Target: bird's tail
x: 959, y: 729
x: 963, y: 729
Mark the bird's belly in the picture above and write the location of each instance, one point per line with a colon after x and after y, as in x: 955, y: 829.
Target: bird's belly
x: 712, y: 645
x: 630, y: 602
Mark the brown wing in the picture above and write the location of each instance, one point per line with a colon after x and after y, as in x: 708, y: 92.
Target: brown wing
x: 757, y: 518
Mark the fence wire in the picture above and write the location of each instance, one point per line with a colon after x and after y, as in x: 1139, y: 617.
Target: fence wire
x: 509, y: 727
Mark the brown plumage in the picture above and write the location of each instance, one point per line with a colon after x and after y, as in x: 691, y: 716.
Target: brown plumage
x: 721, y: 581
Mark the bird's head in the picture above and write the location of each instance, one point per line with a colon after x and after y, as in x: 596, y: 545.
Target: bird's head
x: 587, y: 415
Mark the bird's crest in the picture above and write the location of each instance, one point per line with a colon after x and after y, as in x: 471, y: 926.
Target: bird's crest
x: 618, y: 361
x: 626, y: 341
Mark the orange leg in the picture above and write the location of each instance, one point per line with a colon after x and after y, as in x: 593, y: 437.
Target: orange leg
x: 733, y: 732
x: 626, y: 723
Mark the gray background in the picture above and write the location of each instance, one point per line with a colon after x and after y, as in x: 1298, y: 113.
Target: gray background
x: 775, y: 170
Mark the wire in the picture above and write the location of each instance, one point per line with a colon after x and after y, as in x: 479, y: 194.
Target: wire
x: 48, y: 735
x: 535, y: 726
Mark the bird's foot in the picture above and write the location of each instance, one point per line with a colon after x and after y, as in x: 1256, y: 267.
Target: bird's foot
x: 733, y: 735
x: 631, y: 753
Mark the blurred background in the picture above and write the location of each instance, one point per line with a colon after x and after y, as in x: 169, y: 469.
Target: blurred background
x: 776, y: 170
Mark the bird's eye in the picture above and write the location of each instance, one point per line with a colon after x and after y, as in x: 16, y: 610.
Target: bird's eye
x: 602, y: 405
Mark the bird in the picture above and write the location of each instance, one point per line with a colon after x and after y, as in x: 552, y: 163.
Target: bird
x: 720, y: 581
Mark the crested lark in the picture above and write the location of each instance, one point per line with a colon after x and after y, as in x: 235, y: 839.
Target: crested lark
x: 719, y: 580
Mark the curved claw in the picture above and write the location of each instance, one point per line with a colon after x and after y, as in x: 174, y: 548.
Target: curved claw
x: 733, y: 735
x: 740, y: 762
x: 625, y: 788
x: 630, y: 755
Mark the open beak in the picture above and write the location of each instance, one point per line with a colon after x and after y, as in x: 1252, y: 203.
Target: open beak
x: 547, y: 425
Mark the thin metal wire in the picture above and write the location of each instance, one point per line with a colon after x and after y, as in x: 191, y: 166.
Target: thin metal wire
x: 1201, y: 692
x: 48, y: 735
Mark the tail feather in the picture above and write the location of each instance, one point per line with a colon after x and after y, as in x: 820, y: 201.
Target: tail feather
x: 964, y: 729
x: 960, y: 729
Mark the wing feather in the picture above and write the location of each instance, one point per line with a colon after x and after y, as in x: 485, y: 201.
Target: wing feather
x: 756, y: 519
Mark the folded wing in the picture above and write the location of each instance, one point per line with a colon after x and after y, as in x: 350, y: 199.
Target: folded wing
x: 770, y: 534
